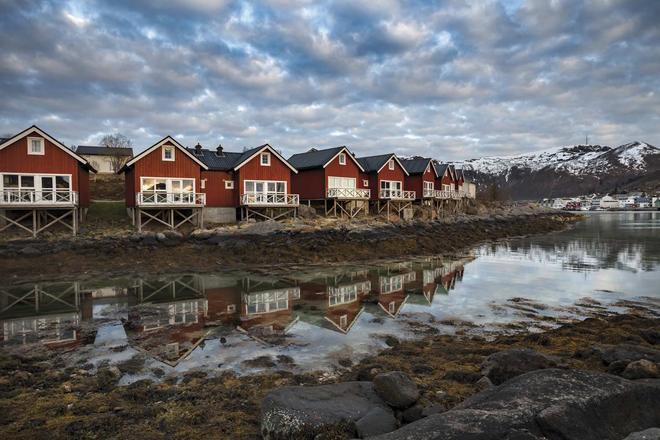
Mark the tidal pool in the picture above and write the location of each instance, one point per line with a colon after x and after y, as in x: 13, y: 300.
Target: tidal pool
x: 329, y: 317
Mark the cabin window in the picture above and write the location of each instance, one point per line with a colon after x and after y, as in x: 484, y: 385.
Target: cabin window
x: 365, y: 182
x: 391, y: 284
x: 341, y: 182
x: 265, y: 159
x: 229, y: 184
x: 156, y: 190
x: 35, y: 188
x: 264, y: 302
x: 168, y: 153
x: 36, y: 146
x: 265, y: 186
x: 342, y: 295
x: 428, y: 186
x: 342, y: 158
x: 392, y: 307
x: 390, y: 185
x: 390, y: 165
x: 343, y: 321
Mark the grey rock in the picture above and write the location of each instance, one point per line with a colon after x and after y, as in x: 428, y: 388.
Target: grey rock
x: 30, y: 250
x: 627, y: 353
x: 304, y: 412
x: 433, y: 409
x: 484, y: 383
x: 647, y: 434
x: 173, y: 235
x: 413, y: 414
x: 641, y: 369
x: 396, y: 388
x: 375, y: 422
x: 161, y: 237
x: 552, y: 403
x: 504, y: 365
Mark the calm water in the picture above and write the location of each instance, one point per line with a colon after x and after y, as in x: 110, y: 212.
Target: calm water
x: 326, y: 317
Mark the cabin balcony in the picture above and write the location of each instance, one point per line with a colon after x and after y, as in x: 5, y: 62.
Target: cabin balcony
x: 448, y: 195
x: 348, y: 193
x: 166, y: 200
x: 428, y: 193
x: 26, y: 198
x: 396, y: 194
x: 266, y: 199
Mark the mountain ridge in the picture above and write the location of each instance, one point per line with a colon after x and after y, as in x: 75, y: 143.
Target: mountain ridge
x: 568, y: 170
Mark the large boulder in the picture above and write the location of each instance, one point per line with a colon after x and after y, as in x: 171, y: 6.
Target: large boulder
x: 304, y: 412
x: 375, y: 422
x: 641, y: 369
x: 504, y: 365
x: 627, y: 353
x: 396, y: 388
x: 552, y: 404
x: 647, y: 434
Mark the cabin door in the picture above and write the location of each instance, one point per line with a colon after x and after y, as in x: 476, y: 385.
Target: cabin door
x: 48, y: 188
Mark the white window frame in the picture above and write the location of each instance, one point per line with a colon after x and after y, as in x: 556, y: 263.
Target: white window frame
x: 365, y: 182
x: 229, y: 184
x: 343, y: 321
x: 261, y: 159
x: 169, y: 148
x: 389, y: 185
x: 342, y: 158
x: 342, y: 180
x: 390, y: 165
x: 42, y: 143
x: 428, y: 185
x: 265, y: 182
x: 168, y: 184
x: 37, y: 186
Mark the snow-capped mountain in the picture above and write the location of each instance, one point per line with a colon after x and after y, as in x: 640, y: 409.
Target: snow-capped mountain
x: 567, y: 171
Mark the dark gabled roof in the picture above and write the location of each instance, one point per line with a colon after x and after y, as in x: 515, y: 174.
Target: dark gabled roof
x: 313, y: 158
x: 224, y: 162
x: 374, y: 163
x: 416, y: 166
x: 440, y: 168
x: 452, y: 170
x: 230, y: 160
x: 91, y: 150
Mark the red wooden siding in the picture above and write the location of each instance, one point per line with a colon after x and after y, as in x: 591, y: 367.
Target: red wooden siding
x: 83, y: 186
x: 349, y: 170
x: 153, y: 165
x: 415, y: 183
x: 14, y: 159
x: 216, y: 194
x: 253, y: 170
x: 310, y: 184
x: 129, y: 187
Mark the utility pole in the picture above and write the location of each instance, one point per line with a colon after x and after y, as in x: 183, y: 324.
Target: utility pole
x: 586, y: 139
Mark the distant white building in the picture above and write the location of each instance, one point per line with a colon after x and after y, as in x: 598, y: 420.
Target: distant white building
x: 609, y: 202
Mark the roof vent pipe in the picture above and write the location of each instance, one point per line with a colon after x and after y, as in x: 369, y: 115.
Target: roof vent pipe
x: 218, y: 150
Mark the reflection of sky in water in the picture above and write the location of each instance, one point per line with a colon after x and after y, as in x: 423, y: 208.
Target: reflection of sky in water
x: 319, y: 316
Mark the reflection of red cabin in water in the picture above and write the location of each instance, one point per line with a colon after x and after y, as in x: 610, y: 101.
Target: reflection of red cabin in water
x: 267, y: 308
x: 333, y: 304
x: 224, y: 304
x: 390, y: 284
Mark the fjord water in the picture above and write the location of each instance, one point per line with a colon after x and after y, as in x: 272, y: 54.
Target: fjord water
x: 311, y: 317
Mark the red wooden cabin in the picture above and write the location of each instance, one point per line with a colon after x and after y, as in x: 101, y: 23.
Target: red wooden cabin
x: 459, y: 180
x: 446, y: 180
x: 173, y: 185
x: 421, y: 177
x: 258, y: 181
x: 386, y: 175
x: 333, y: 177
x: 42, y: 183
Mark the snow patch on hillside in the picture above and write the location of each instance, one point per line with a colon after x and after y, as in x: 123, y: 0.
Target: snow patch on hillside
x: 575, y: 159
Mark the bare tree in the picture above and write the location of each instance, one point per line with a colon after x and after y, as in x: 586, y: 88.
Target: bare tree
x: 115, y: 142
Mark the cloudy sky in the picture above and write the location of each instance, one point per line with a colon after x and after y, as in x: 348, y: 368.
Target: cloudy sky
x: 450, y: 79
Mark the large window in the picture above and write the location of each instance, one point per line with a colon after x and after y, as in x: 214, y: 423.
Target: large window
x: 428, y: 186
x: 166, y: 190
x: 35, y: 188
x: 390, y: 188
x: 341, y: 182
x: 391, y: 284
x: 265, y: 302
x: 342, y: 295
x: 265, y: 187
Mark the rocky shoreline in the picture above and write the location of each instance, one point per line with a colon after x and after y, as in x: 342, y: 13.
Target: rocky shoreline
x: 265, y: 245
x: 596, y: 378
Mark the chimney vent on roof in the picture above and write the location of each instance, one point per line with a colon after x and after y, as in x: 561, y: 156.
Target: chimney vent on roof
x: 219, y: 150
x: 198, y: 149
x: 311, y: 150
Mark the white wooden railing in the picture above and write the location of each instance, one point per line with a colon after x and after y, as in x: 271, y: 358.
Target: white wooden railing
x: 270, y: 199
x: 428, y: 193
x: 348, y: 193
x: 44, y: 197
x: 163, y: 198
x: 445, y: 195
x: 397, y: 194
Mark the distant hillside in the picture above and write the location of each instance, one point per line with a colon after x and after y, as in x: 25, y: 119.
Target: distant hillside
x: 569, y: 171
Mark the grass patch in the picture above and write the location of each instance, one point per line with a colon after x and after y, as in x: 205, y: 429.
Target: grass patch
x: 103, y: 215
